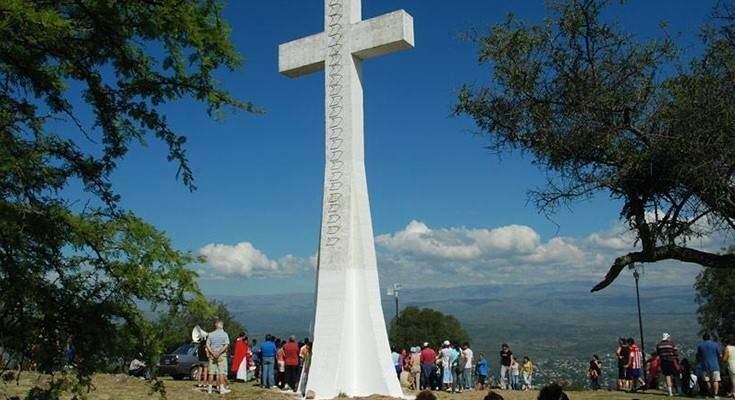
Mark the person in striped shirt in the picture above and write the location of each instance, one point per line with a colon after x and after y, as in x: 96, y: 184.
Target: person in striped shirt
x: 635, y: 361
x: 669, y: 354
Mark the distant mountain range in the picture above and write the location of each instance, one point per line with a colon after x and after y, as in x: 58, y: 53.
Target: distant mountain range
x: 560, y: 325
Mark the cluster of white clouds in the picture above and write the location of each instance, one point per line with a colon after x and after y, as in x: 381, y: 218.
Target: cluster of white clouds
x: 460, y: 255
x: 245, y: 260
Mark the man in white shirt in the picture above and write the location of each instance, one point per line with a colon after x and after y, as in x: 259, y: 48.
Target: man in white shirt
x: 137, y: 369
x: 469, y: 362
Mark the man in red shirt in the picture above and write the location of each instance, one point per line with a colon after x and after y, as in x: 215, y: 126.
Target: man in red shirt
x: 428, y: 358
x: 291, y: 358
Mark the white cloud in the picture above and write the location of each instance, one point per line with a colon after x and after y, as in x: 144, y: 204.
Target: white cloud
x: 507, y: 254
x: 419, y: 255
x: 244, y: 259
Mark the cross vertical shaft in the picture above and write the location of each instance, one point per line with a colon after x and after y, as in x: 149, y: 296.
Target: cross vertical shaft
x: 351, y: 354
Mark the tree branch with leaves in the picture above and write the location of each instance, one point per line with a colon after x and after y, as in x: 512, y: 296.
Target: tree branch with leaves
x: 75, y: 271
x: 606, y: 112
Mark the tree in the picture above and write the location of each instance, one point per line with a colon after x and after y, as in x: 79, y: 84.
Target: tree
x: 716, y: 298
x: 74, y: 270
x: 607, y: 113
x: 415, y: 326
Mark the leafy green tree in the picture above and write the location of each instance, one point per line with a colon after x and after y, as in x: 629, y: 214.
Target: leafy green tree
x: 415, y: 326
x: 74, y: 269
x: 716, y: 298
x: 605, y: 112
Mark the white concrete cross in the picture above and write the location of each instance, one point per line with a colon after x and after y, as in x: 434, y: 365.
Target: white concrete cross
x: 351, y: 354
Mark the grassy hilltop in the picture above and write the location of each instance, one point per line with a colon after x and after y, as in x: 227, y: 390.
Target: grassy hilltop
x: 122, y: 387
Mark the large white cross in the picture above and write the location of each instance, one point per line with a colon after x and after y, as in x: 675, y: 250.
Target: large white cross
x: 351, y: 354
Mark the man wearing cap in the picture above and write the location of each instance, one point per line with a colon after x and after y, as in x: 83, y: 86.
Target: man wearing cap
x: 428, y: 358
x: 669, y: 355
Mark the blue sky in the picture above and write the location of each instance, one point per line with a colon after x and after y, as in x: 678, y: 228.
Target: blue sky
x: 259, y: 176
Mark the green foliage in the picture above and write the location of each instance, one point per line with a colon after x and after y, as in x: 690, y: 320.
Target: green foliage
x: 716, y: 298
x: 415, y: 326
x: 74, y: 271
x: 605, y: 112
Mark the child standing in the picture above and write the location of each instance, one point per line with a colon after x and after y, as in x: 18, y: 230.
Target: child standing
x: 527, y: 370
x: 515, y: 374
x: 482, y: 372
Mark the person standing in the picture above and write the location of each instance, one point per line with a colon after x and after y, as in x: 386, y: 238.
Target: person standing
x: 506, y: 356
x: 515, y: 374
x: 633, y: 369
x: 728, y: 357
x: 304, y: 365
x: 623, y: 355
x: 595, y: 371
x: 416, y: 368
x: 669, y: 354
x: 257, y: 360
x: 203, y: 368
x: 447, y: 355
x: 395, y: 356
x: 428, y: 358
x: 291, y: 361
x: 240, y: 356
x: 653, y: 366
x: 218, y: 342
x: 709, y: 354
x: 483, y: 369
x: 457, y: 368
x: 281, y: 365
x: 268, y: 359
x: 527, y: 371
x: 469, y: 362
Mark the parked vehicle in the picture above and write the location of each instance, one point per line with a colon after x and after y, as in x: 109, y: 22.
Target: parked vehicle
x: 181, y: 363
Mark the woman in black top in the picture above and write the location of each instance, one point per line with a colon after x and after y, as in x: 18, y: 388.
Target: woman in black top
x: 203, y: 362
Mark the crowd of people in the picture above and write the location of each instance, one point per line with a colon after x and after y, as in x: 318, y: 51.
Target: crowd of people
x: 680, y: 375
x: 453, y: 367
x: 276, y: 362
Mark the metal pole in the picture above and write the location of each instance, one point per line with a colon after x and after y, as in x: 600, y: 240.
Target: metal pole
x: 396, y: 306
x: 636, y: 275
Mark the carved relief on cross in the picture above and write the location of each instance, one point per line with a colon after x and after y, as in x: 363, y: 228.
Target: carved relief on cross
x: 347, y: 40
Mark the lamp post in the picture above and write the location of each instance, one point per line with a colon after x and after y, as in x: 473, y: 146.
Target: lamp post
x: 393, y: 291
x: 637, y: 270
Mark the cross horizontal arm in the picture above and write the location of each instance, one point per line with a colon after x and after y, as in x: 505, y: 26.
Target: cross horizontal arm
x: 302, y: 56
x: 381, y: 35
x: 385, y: 34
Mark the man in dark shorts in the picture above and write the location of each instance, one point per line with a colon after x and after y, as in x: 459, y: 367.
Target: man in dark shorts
x: 669, y: 355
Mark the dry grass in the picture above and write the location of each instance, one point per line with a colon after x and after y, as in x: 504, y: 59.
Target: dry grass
x: 122, y: 387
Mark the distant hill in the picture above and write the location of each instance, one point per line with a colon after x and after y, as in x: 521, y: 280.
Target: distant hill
x: 559, y: 325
